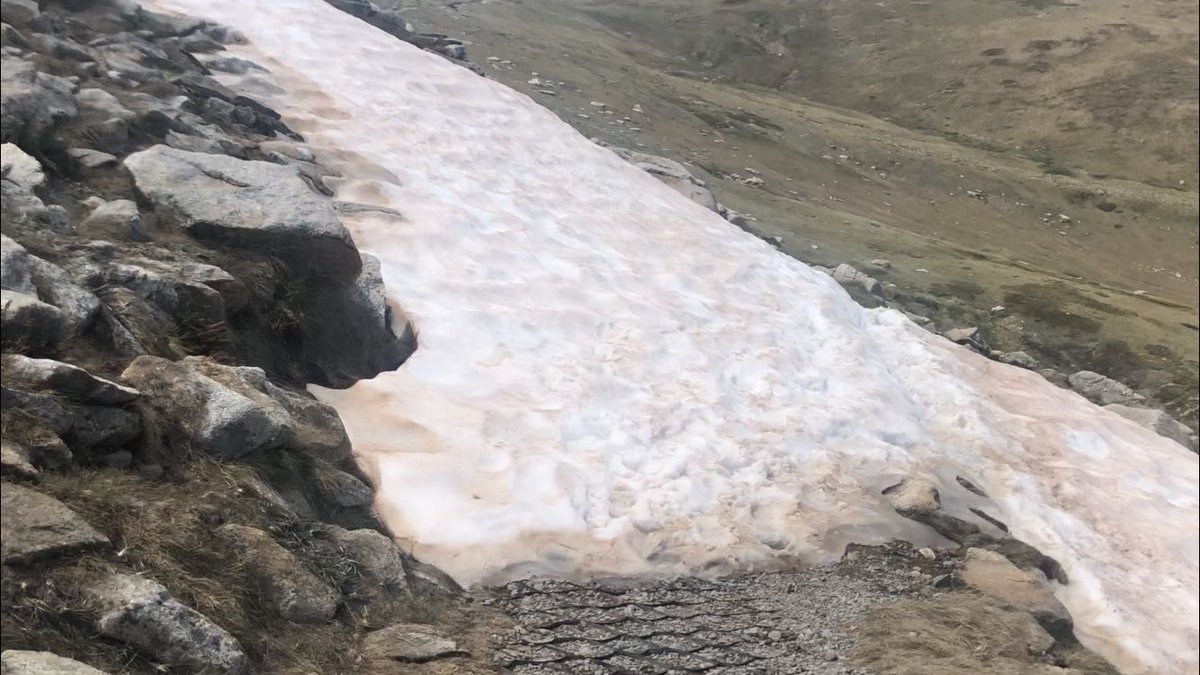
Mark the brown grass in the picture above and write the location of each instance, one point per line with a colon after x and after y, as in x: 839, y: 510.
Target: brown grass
x: 165, y: 531
x: 959, y: 632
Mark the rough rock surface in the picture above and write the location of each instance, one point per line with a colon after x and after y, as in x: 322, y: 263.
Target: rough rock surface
x: 672, y: 173
x: 1102, y: 390
x: 381, y: 568
x: 994, y: 575
x: 243, y: 203
x: 32, y: 103
x: 231, y: 411
x: 36, y: 527
x: 67, y: 380
x: 1157, y: 421
x: 140, y: 612
x: 290, y: 590
x: 21, y: 662
x: 848, y: 274
x: 29, y: 324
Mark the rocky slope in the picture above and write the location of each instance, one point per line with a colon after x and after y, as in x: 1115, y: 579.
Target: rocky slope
x: 174, y: 271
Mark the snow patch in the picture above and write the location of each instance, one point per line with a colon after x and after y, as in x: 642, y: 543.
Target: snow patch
x: 612, y: 379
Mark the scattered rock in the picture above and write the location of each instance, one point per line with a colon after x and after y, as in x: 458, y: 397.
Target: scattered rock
x: 846, y: 274
x: 969, y: 337
x: 410, y: 643
x: 290, y: 590
x: 1019, y: 359
x: 140, y: 612
x: 1102, y: 390
x: 36, y: 527
x: 1157, y: 421
x: 20, y: 662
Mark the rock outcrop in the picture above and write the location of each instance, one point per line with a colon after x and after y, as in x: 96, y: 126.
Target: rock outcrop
x: 232, y: 411
x: 256, y: 205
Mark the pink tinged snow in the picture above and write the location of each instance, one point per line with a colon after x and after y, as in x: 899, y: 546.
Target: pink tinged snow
x: 613, y: 380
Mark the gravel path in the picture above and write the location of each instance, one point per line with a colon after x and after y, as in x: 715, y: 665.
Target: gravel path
x: 798, y: 621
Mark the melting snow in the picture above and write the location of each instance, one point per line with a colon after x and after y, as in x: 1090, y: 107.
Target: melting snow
x: 612, y: 379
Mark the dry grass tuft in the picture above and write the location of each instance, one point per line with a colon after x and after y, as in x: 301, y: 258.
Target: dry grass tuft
x: 953, y: 633
x: 165, y: 531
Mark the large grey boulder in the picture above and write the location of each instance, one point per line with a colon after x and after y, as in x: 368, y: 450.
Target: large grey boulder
x: 672, y: 173
x: 21, y: 662
x: 1102, y: 390
x: 283, y: 583
x: 32, y: 103
x: 1157, y: 421
x: 257, y: 205
x: 208, y: 406
x: 141, y: 613
x: 232, y: 411
x: 36, y: 527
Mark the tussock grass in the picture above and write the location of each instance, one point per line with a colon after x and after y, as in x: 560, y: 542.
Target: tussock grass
x: 959, y: 632
x: 165, y: 530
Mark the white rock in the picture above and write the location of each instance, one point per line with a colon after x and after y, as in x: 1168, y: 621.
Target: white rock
x: 21, y: 168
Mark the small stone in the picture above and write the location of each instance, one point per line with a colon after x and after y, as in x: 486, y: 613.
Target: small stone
x: 913, y: 495
x: 92, y: 159
x: 1019, y: 359
x: 927, y: 553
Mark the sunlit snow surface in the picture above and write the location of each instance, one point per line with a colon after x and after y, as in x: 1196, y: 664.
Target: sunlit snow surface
x: 612, y: 379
